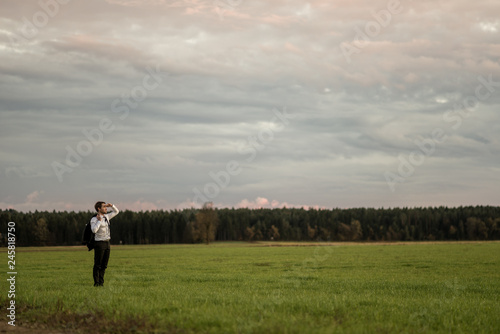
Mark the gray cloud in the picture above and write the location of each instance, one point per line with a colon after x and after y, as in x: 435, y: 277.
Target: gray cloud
x: 224, y: 73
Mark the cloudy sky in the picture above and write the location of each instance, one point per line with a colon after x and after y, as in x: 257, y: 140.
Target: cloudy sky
x: 160, y: 104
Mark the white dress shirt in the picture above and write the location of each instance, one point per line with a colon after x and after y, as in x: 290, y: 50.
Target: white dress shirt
x: 101, y: 228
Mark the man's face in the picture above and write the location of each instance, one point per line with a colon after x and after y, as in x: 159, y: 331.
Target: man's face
x: 103, y: 209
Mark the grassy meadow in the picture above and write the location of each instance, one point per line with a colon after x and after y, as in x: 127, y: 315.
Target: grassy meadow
x: 263, y: 288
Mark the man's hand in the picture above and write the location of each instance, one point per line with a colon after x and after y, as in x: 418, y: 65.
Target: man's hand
x: 109, y: 205
x: 98, y: 217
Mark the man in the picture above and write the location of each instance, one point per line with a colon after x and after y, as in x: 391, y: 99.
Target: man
x: 100, y: 226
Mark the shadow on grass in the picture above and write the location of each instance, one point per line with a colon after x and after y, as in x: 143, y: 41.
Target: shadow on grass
x: 40, y: 320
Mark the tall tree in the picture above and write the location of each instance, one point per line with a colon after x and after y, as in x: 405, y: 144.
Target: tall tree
x: 41, y: 232
x: 274, y: 233
x: 207, y: 222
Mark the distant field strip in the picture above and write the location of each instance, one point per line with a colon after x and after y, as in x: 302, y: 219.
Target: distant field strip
x: 264, y: 288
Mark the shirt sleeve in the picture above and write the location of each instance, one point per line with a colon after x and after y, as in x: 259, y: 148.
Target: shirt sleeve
x: 95, y: 224
x: 113, y: 213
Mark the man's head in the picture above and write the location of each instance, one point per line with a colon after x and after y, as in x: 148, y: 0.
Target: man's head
x: 99, y: 207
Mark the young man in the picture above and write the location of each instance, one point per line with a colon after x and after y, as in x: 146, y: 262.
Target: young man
x: 100, y: 226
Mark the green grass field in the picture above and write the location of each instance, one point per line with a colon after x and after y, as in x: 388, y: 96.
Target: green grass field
x: 244, y: 288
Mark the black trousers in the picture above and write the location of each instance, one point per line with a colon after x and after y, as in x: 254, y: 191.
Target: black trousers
x: 101, y: 257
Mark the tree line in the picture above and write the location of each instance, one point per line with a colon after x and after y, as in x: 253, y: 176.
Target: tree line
x: 42, y: 228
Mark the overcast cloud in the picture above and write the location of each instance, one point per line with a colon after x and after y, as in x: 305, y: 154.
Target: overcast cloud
x: 287, y: 103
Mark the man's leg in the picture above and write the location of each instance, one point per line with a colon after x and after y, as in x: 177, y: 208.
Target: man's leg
x: 104, y: 262
x: 98, y: 257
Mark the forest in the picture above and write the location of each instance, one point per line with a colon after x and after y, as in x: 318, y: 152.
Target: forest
x: 43, y: 228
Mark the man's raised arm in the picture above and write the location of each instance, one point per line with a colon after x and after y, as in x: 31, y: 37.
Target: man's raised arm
x: 114, y: 212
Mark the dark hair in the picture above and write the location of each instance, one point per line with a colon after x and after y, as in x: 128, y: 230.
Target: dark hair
x: 98, y: 205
